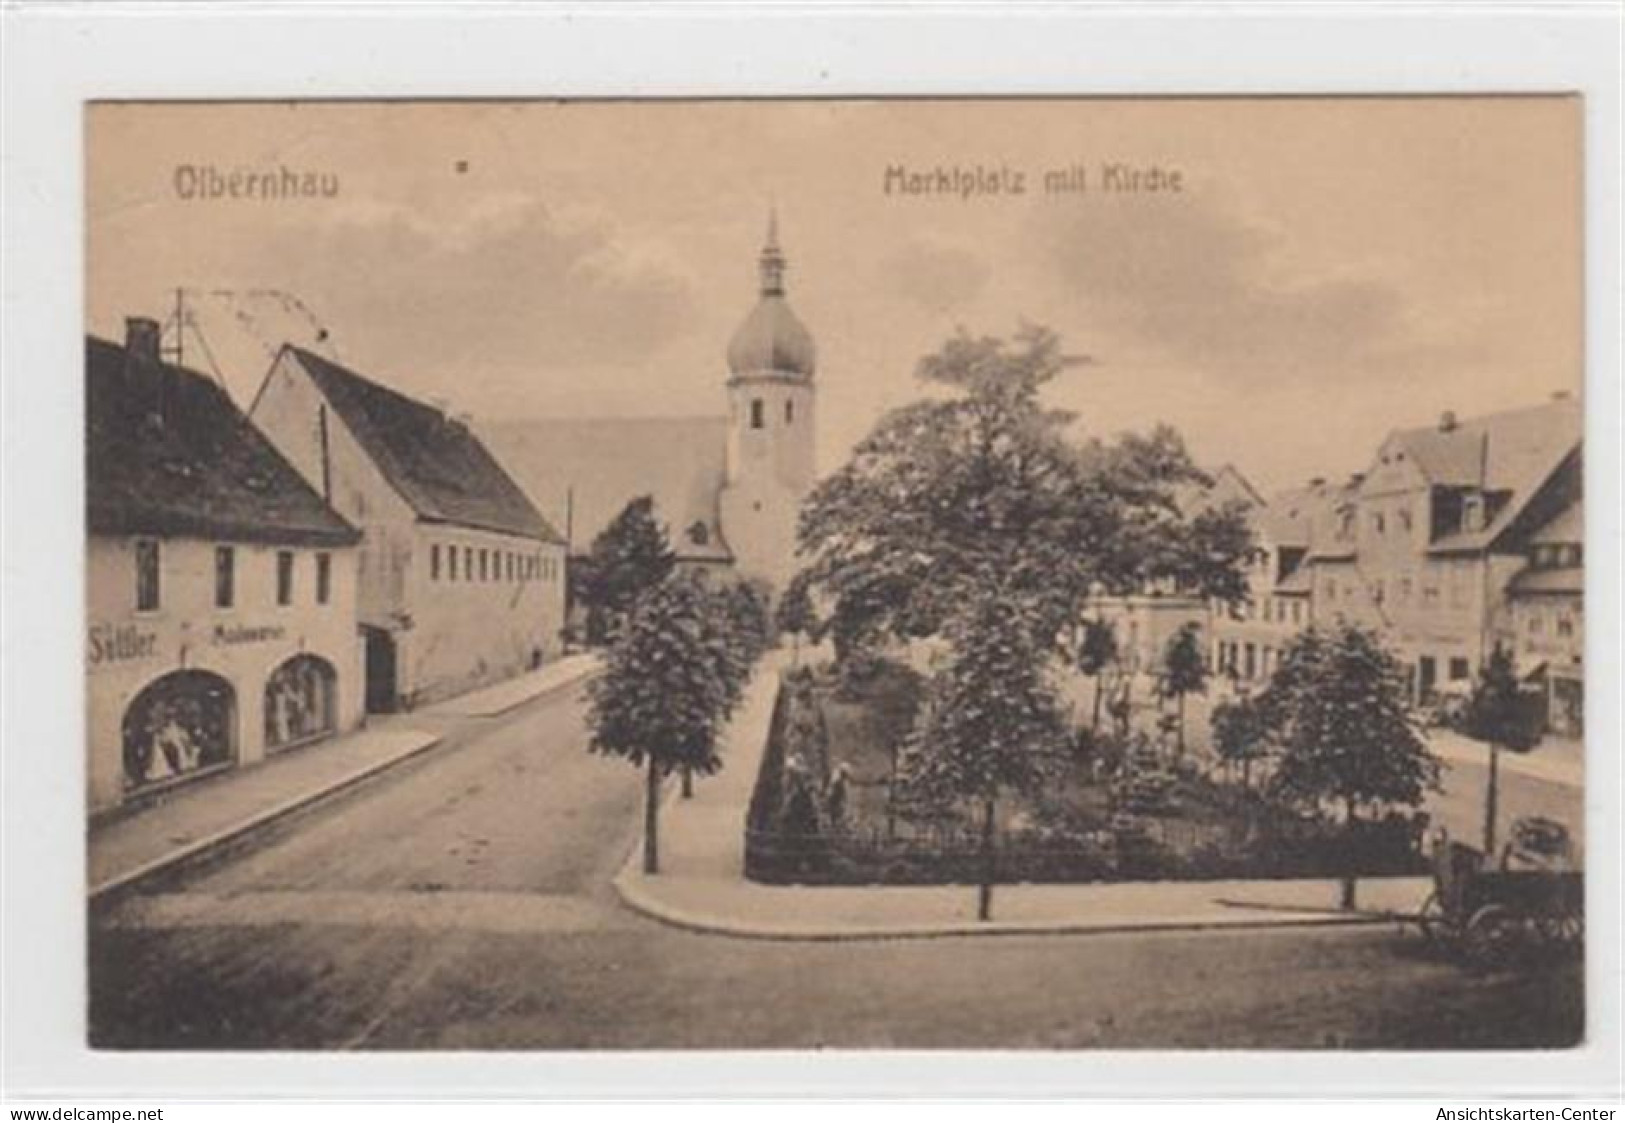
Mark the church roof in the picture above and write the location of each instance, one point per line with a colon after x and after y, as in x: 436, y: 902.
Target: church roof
x: 582, y: 471
x: 436, y: 463
x: 167, y: 453
x: 772, y: 339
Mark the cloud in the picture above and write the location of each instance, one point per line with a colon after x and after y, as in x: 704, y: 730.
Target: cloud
x: 501, y: 282
x: 937, y: 276
x: 1187, y: 278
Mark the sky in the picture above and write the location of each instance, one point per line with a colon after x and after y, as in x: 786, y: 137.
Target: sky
x: 1330, y: 270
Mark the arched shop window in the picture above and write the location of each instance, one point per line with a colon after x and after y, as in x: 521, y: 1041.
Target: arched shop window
x: 299, y: 701
x: 182, y: 723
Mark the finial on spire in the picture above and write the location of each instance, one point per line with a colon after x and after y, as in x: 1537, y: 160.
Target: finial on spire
x: 771, y: 264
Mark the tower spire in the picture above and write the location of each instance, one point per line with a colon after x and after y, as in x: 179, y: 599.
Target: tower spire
x: 771, y: 264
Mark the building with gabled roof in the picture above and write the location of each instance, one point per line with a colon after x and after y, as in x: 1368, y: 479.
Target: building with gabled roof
x: 1425, y: 544
x: 462, y: 580
x: 1247, y: 639
x: 220, y: 586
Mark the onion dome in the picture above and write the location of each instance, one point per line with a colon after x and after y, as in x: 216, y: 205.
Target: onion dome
x: 772, y: 340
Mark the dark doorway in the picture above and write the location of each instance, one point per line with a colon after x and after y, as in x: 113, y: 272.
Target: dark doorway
x: 1427, y: 678
x: 382, y: 694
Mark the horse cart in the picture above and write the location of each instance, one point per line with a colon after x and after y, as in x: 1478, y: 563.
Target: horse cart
x: 1527, y: 908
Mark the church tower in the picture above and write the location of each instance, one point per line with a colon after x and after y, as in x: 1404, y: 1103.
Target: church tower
x: 770, y: 427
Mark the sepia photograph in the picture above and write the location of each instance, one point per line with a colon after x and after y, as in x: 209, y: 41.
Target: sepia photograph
x: 845, y: 573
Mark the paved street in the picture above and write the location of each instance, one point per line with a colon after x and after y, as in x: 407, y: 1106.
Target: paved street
x: 464, y: 902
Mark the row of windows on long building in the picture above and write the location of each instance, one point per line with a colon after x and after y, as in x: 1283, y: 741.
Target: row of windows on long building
x: 471, y: 563
x: 149, y: 570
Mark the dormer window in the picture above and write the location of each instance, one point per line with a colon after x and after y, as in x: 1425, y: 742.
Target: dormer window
x: 758, y: 414
x: 1472, y: 513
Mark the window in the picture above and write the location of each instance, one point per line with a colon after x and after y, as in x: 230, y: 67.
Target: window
x: 468, y: 563
x: 1459, y: 669
x: 1430, y: 593
x: 1378, y: 524
x: 1537, y: 622
x: 225, y: 576
x: 510, y: 566
x: 284, y: 576
x: 146, y: 575
x: 1571, y: 555
x: 451, y: 560
x: 789, y: 411
x: 324, y: 576
x: 434, y: 562
x: 1565, y: 625
x: 1379, y: 590
x: 1405, y: 519
x: 1404, y: 590
x: 757, y: 414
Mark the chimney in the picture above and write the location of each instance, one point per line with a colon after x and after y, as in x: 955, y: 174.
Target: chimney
x: 141, y: 340
x: 1561, y: 395
x: 1447, y: 421
x: 464, y: 418
x: 144, y: 369
x: 441, y: 405
x: 1318, y: 481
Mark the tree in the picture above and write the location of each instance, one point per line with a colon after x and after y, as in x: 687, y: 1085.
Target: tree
x: 629, y: 555
x: 1097, y: 650
x: 663, y: 695
x: 1503, y: 716
x: 746, y: 606
x: 1184, y: 671
x: 1337, y: 708
x: 990, y: 725
x: 981, y: 478
x: 795, y: 614
x: 1239, y: 735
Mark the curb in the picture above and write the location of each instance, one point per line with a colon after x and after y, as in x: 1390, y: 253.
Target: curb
x: 238, y: 834
x: 646, y: 904
x: 211, y: 845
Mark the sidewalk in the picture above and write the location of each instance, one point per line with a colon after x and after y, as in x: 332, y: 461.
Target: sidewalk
x: 702, y: 886
x: 203, y: 818
x: 504, y: 696
x: 195, y: 820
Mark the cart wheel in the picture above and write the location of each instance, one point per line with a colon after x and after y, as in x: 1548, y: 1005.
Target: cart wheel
x: 1493, y: 936
x: 1431, y: 919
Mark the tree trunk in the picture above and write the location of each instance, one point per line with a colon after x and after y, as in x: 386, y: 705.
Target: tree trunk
x: 795, y: 649
x: 1246, y: 773
x: 984, y: 896
x: 1180, y: 740
x: 688, y: 782
x: 1490, y: 799
x: 651, y: 819
x: 1094, y: 724
x: 891, y: 795
x: 1348, y: 878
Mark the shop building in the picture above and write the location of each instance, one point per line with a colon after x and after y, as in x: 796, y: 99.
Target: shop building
x: 462, y: 581
x: 220, y: 588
